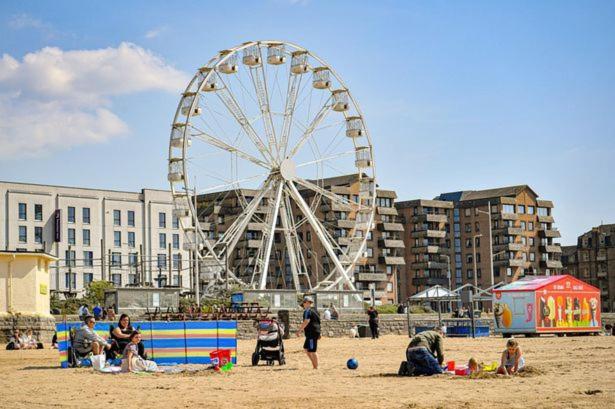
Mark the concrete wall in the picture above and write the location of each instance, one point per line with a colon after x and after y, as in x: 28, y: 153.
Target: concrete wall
x: 42, y: 327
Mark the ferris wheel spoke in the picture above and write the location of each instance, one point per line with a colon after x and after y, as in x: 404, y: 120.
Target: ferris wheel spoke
x: 229, y: 100
x: 328, y: 158
x: 320, y: 233
x: 326, y: 108
x: 268, y: 240
x: 345, y: 204
x: 290, y: 236
x: 231, y: 184
x: 212, y: 140
x: 257, y: 75
x: 294, y: 84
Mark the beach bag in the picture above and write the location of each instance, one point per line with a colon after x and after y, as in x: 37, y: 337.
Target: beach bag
x: 98, y: 361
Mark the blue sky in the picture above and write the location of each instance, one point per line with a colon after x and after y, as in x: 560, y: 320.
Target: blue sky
x: 457, y: 95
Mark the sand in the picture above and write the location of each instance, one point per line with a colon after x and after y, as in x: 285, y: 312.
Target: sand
x: 567, y: 372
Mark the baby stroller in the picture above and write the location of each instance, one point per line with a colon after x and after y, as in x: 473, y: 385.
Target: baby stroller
x: 269, y: 344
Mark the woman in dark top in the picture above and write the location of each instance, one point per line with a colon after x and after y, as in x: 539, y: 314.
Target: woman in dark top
x: 373, y: 322
x: 121, y: 335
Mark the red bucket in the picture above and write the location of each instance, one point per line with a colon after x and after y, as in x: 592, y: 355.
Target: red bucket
x: 220, y: 357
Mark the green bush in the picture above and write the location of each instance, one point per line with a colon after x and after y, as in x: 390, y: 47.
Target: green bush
x: 95, y: 292
x: 386, y: 309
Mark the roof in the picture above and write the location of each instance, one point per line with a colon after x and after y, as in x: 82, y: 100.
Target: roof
x: 532, y: 283
x: 435, y: 292
x: 28, y: 253
x: 461, y: 196
x: 568, y: 250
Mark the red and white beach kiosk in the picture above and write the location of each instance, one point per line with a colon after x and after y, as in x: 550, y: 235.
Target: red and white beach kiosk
x: 547, y: 305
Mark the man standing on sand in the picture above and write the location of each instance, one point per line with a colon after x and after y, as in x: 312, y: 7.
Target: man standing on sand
x: 422, y: 352
x: 373, y: 322
x: 311, y: 327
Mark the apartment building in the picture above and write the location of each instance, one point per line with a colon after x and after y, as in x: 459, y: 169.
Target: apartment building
x: 593, y: 261
x: 522, y: 239
x: 376, y: 271
x: 427, y: 241
x: 123, y: 237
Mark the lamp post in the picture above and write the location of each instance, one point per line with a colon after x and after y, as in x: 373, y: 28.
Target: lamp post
x: 488, y: 213
x: 475, y: 271
x: 448, y: 275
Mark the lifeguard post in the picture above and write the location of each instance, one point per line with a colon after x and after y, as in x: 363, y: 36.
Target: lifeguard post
x: 24, y: 294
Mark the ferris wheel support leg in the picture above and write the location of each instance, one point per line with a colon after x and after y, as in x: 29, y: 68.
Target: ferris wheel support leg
x: 321, y: 234
x: 276, y: 209
x: 290, y: 245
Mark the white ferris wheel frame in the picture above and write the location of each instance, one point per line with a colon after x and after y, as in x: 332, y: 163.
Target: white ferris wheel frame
x: 284, y: 185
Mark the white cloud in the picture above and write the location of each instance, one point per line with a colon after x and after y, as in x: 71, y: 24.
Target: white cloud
x: 21, y: 21
x: 155, y: 32
x: 55, y: 99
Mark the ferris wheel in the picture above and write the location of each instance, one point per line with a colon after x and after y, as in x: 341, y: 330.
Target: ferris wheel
x: 275, y: 149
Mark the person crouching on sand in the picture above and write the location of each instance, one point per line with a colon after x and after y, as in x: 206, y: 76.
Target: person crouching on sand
x: 311, y: 327
x: 424, y: 354
x: 512, y: 359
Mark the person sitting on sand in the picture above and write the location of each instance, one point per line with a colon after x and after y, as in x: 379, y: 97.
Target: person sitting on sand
x: 512, y: 359
x: 31, y: 342
x: 473, y: 366
x: 121, y: 335
x: 16, y: 341
x: 422, y: 352
x: 131, y: 361
x: 87, y: 340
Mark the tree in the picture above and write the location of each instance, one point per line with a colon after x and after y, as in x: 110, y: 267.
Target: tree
x: 95, y: 293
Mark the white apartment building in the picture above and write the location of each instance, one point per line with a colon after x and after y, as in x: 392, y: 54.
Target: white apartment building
x: 123, y: 237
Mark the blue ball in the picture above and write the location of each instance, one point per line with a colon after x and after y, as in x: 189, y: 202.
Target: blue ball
x: 352, y: 363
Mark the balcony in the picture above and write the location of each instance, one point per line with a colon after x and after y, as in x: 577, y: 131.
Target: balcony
x: 602, y: 274
x: 430, y: 281
x: 515, y: 262
x: 551, y: 263
x: 433, y: 234
x: 390, y: 211
x: 551, y: 248
x: 545, y: 219
x: 345, y: 224
x: 509, y: 247
x: 391, y: 243
x: 390, y: 227
x: 426, y: 249
x: 508, y: 231
x: 257, y: 226
x: 373, y: 277
x: 435, y: 218
x: 392, y: 260
x: 377, y: 294
x: 429, y: 265
x: 550, y: 233
x: 505, y: 216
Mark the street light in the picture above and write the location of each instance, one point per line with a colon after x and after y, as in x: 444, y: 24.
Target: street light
x: 475, y: 271
x: 448, y: 275
x: 488, y: 213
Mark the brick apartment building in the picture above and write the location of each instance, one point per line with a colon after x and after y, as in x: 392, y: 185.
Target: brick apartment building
x: 593, y: 261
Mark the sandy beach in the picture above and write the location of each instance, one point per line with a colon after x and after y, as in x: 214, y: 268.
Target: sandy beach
x: 575, y: 372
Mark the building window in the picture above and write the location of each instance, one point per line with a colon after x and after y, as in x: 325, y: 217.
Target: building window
x: 133, y: 259
x: 543, y: 211
x: 162, y: 220
x: 531, y: 241
x: 176, y: 241
x: 468, y: 227
x: 88, y: 258
x: 117, y: 238
x: 389, y: 287
x: 509, y: 272
x: 478, y: 273
x: 508, y: 208
x: 38, y: 212
x: 116, y: 259
x: 477, y: 226
x: 531, y: 210
x: 467, y: 212
x: 175, y: 222
x: 117, y: 217
x: 162, y: 240
x: 470, y: 273
x: 131, y: 239
x: 23, y: 211
x: 71, y: 236
x: 220, y: 220
x: 71, y: 214
x: 70, y: 280
x: 38, y: 235
x: 177, y: 261
x: 86, y: 237
x: 469, y: 259
x: 70, y: 258
x: 23, y: 234
x: 88, y: 278
x: 117, y: 279
x: 177, y: 280
x: 131, y: 218
x: 532, y: 256
x: 370, y: 252
x: 521, y: 209
x: 85, y: 213
x: 523, y: 225
x: 162, y: 261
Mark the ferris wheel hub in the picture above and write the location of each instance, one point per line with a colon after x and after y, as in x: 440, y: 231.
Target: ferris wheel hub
x: 288, y: 170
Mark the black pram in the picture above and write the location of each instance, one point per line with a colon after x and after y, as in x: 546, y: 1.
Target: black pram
x: 269, y: 343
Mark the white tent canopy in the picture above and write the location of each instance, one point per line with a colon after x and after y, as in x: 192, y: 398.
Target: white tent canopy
x: 435, y: 293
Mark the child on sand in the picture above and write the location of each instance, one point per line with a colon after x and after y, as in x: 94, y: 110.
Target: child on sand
x: 512, y: 359
x: 473, y: 366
